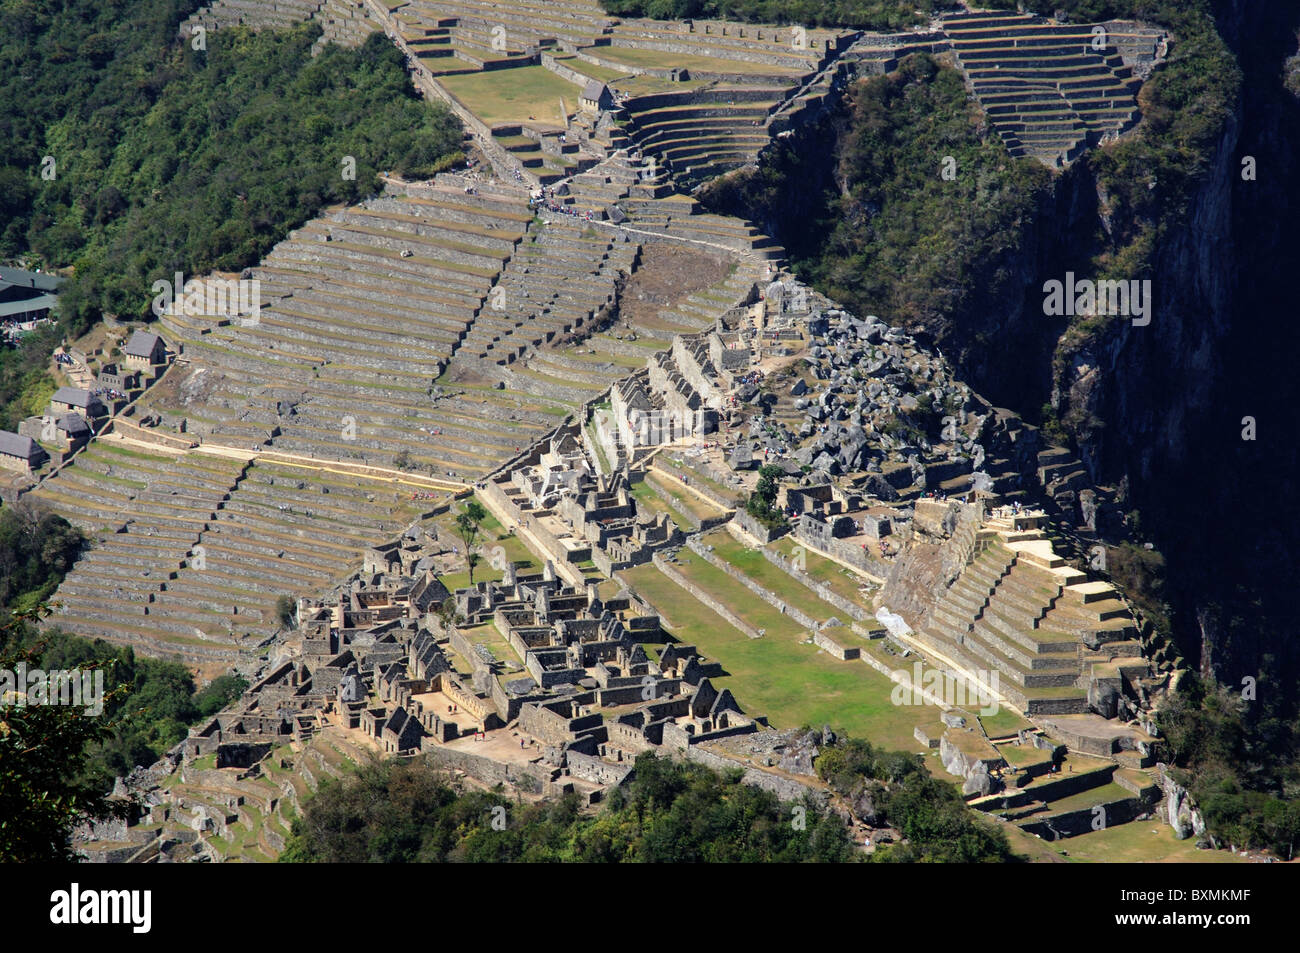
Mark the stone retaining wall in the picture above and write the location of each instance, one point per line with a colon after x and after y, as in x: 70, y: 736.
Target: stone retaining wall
x: 823, y: 591
x: 665, y: 567
x: 595, y: 770
x: 663, y: 463
x: 756, y: 529
x: 842, y: 652
x: 1085, y: 820
x: 786, y: 789
x: 531, y: 778
x: 695, y: 545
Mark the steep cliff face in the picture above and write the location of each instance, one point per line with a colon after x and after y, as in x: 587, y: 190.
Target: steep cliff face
x: 1192, y: 410
x: 1134, y: 394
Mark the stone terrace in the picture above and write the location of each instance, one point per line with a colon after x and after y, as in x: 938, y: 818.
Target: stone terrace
x: 562, y: 277
x: 344, y: 22
x: 194, y: 550
x: 252, y: 13
x: 728, y: 47
x: 149, y: 511
x: 362, y: 311
x: 700, y: 133
x: 1047, y: 91
x: 467, y: 25
x: 642, y: 191
x: 1018, y: 610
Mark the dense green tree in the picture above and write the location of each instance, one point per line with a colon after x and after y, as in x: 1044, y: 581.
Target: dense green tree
x: 1239, y: 758
x: 165, y: 159
x: 36, y: 548
x: 44, y: 794
x: 762, y: 502
x: 670, y: 812
x: 938, y: 825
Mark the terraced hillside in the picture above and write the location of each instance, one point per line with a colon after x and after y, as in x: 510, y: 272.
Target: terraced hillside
x: 415, y: 342
x: 343, y: 22
x: 464, y: 32
x: 234, y: 815
x: 1018, y: 610
x: 362, y: 311
x: 1050, y: 89
x: 190, y: 551
x: 747, y: 74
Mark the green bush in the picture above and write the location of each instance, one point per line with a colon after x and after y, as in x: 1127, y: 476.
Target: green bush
x: 669, y: 812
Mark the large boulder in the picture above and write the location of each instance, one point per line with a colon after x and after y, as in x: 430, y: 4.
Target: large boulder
x: 866, y: 806
x: 978, y: 781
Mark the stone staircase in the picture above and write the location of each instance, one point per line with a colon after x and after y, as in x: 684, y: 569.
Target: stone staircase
x: 1017, y: 610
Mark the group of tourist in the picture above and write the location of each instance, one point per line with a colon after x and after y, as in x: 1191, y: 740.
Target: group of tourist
x: 552, y: 206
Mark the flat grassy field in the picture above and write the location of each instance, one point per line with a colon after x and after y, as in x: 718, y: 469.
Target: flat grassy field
x: 792, y: 683
x: 1138, y: 842
x: 527, y: 94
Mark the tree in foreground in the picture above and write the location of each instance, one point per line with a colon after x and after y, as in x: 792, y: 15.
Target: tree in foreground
x: 44, y: 794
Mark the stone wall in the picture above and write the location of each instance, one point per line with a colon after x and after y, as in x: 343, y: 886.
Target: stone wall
x: 695, y: 545
x: 823, y: 591
x: 555, y: 550
x: 786, y: 789
x: 531, y: 778
x: 595, y: 770
x: 552, y: 728
x: 756, y: 529
x: 665, y: 567
x: 845, y: 551
x: 842, y: 652
x: 661, y: 462
x: 564, y: 72
x: 1084, y: 820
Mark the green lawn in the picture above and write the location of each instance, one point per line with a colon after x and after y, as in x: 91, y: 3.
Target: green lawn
x: 699, y: 507
x: 523, y: 94
x: 1105, y: 794
x: 841, y: 580
x: 1022, y: 756
x: 755, y: 566
x: 792, y: 683
x: 1140, y: 842
x: 1003, y: 723
x: 726, y: 492
x: 737, y: 598
x: 646, y: 497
